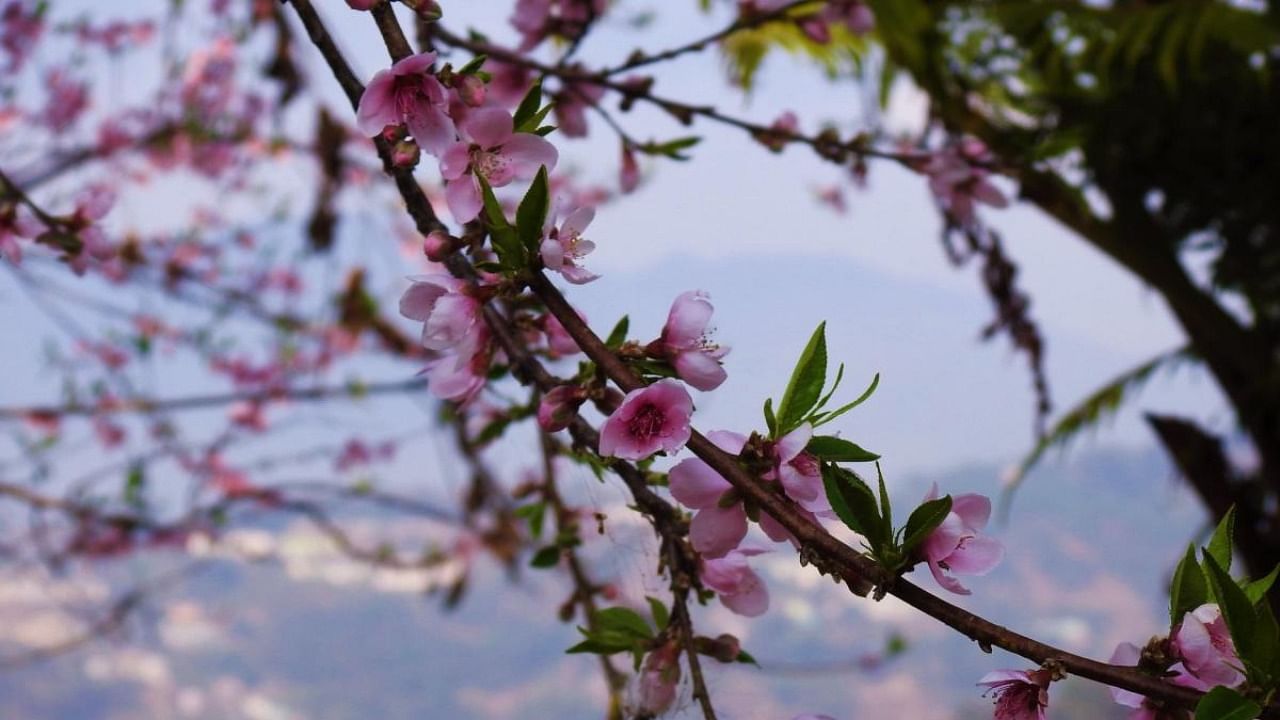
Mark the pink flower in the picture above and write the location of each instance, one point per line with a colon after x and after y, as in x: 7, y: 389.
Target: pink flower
x: 490, y: 149
x: 450, y: 316
x: 248, y: 415
x: 957, y: 545
x: 1204, y: 643
x: 957, y: 179
x: 686, y: 341
x: 720, y: 522
x: 1128, y: 654
x: 408, y: 93
x: 658, y: 680
x: 565, y: 247
x: 740, y: 588
x: 457, y: 378
x: 68, y: 99
x: 362, y: 4
x: 799, y: 471
x: 1019, y: 694
x: 557, y: 407
x: 649, y: 419
x: 571, y: 105
x: 629, y: 173
x: 559, y: 342
x: 782, y: 129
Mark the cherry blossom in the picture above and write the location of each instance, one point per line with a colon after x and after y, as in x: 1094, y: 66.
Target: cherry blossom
x: 686, y: 342
x: 957, y: 545
x: 1019, y: 694
x: 557, y: 408
x: 408, y: 93
x: 739, y: 587
x: 492, y: 150
x: 656, y: 688
x: 1204, y: 643
x: 564, y: 247
x: 649, y: 419
x: 450, y: 316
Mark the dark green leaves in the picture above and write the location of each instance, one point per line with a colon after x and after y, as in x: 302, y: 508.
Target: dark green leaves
x: 618, y: 334
x: 855, y: 503
x: 616, y: 629
x: 531, y: 216
x: 1189, y: 589
x: 807, y: 380
x: 671, y: 149
x: 528, y: 107
x: 924, y: 520
x: 546, y: 557
x: 1223, y: 535
x: 836, y: 449
x: 803, y: 400
x: 1222, y: 703
x: 502, y: 236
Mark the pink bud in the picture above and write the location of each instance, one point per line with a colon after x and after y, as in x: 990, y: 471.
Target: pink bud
x: 629, y: 176
x: 472, y: 90
x: 437, y: 246
x: 405, y: 154
x: 362, y: 4
x: 394, y: 133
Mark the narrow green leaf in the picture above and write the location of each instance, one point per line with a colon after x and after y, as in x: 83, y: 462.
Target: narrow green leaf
x: 594, y: 647
x: 1223, y: 703
x: 503, y: 237
x: 770, y: 420
x: 531, y: 216
x: 618, y: 334
x: 529, y: 105
x: 534, y: 123
x: 1235, y: 606
x: 924, y: 520
x: 1189, y: 589
x: 828, y: 417
x: 659, y: 612
x: 886, y: 510
x: 472, y: 65
x: 822, y: 402
x: 745, y: 657
x: 1258, y: 589
x: 1223, y: 536
x: 806, y: 382
x: 836, y: 449
x: 534, y: 513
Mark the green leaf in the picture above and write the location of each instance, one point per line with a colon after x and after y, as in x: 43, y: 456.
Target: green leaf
x: 1223, y: 535
x: 670, y: 149
x: 1223, y: 703
x: 1258, y: 589
x: 659, y: 612
x: 624, y: 621
x: 1189, y: 589
x: 806, y: 382
x: 1235, y: 606
x: 596, y: 647
x: 547, y: 557
x: 531, y: 216
x: 472, y: 65
x: 506, y: 244
x: 836, y: 449
x: 832, y: 415
x: 924, y: 520
x: 886, y: 509
x: 770, y: 420
x: 745, y: 657
x: 528, y: 105
x: 854, y: 503
x: 533, y: 514
x: 534, y: 123
x: 618, y: 334
x: 135, y: 486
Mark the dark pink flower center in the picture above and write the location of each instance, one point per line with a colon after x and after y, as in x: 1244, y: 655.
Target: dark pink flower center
x: 409, y: 91
x: 487, y: 164
x: 646, y: 422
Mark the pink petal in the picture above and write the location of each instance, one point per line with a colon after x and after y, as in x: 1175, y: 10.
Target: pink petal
x: 974, y: 510
x: 552, y: 253
x: 578, y: 221
x: 527, y: 152
x: 752, y: 598
x: 453, y: 318
x: 946, y: 581
x: 695, y: 485
x: 714, y: 531
x: 463, y: 198
x: 687, y: 320
x: 613, y: 436
x: 414, y: 64
x: 455, y: 161
x: 700, y: 370
x: 978, y: 556
x: 793, y: 443
x: 997, y: 678
x: 945, y: 538
x: 419, y: 300
x: 577, y: 275
x: 431, y: 127
x: 774, y: 529
x: 1126, y: 654
x: 377, y: 107
x: 728, y: 441
x: 489, y: 127
x: 800, y: 487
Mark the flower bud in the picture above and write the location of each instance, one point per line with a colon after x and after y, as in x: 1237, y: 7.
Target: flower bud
x: 629, y: 175
x: 437, y: 246
x: 405, y: 154
x: 394, y: 133
x: 362, y: 4
x: 472, y: 90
